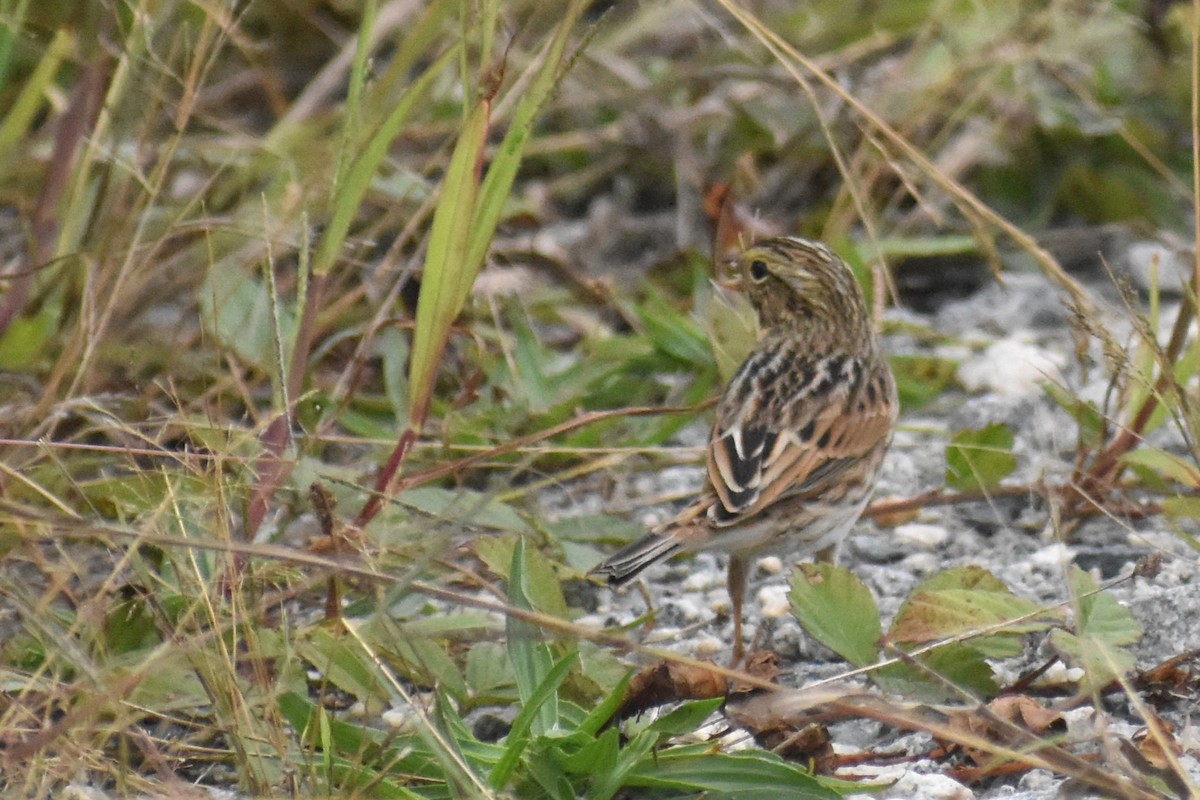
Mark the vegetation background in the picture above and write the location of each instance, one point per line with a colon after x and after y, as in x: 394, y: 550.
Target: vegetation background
x: 308, y: 303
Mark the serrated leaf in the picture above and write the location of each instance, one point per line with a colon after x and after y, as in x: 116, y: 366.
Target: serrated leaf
x: 960, y: 600
x: 1102, y: 630
x: 837, y: 609
x: 979, y: 458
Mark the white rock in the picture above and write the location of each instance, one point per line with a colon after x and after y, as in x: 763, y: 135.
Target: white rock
x: 1010, y: 367
x: 700, y: 580
x: 1054, y: 555
x: 933, y: 787
x: 773, y: 601
x: 708, y: 645
x: 772, y: 565
x: 921, y: 534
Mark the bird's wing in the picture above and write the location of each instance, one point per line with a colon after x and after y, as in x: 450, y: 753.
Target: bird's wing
x: 790, y: 424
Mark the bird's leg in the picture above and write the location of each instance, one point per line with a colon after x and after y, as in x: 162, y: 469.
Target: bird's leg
x: 737, y: 594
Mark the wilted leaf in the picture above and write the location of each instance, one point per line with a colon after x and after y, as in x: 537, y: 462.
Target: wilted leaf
x: 834, y: 606
x: 979, y: 458
x: 668, y: 682
x: 1019, y: 710
x: 960, y: 600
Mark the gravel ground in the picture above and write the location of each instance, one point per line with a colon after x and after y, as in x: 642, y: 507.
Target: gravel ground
x: 1013, y: 337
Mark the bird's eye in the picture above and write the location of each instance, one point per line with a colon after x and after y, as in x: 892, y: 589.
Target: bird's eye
x: 758, y: 270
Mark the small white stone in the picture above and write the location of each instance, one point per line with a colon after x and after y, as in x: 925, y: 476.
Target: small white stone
x: 1010, y: 367
x: 1081, y: 722
x: 700, y: 580
x: 1055, y: 555
x: 773, y: 600
x: 920, y: 563
x: 921, y: 534
x: 708, y: 645
x: 688, y: 608
x: 400, y: 717
x: 933, y: 787
x: 772, y: 565
x: 1059, y: 673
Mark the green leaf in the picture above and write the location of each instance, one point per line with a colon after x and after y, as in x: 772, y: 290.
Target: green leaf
x: 959, y: 663
x: 750, y: 775
x: 920, y: 379
x: 673, y: 332
x: 26, y: 341
x: 686, y: 718
x: 960, y: 600
x: 1103, y: 629
x: 543, y: 589
x: 979, y: 458
x: 1165, y: 464
x: 837, y: 609
x: 544, y: 695
x: 531, y: 658
x: 1091, y: 422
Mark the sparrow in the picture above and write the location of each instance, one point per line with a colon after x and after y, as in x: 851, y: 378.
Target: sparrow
x: 800, y: 431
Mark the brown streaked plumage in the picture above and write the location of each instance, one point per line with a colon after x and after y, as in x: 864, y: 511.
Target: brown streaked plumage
x: 800, y: 431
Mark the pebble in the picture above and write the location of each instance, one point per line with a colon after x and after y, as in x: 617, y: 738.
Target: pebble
x: 772, y: 565
x: 1010, y: 367
x: 921, y: 534
x: 708, y: 645
x: 1054, y: 555
x: 773, y: 601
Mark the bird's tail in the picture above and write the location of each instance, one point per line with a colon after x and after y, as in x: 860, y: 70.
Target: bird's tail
x: 626, y: 563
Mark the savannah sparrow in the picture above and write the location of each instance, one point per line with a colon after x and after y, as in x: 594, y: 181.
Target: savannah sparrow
x: 800, y: 431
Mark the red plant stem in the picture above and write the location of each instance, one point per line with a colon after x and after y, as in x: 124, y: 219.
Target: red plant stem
x: 76, y: 123
x: 384, y: 480
x: 271, y: 470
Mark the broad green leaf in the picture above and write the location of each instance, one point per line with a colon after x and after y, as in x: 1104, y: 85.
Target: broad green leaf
x: 961, y: 600
x: 542, y: 584
x: 25, y: 342
x: 674, y: 332
x: 466, y: 506
x: 979, y: 458
x: 686, y: 718
x: 343, y: 663
x: 834, y: 606
x: 728, y: 320
x: 236, y: 308
x: 1102, y: 631
x: 961, y: 664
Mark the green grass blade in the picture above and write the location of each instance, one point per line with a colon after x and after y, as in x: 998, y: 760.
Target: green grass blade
x: 354, y: 184
x: 447, y: 276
